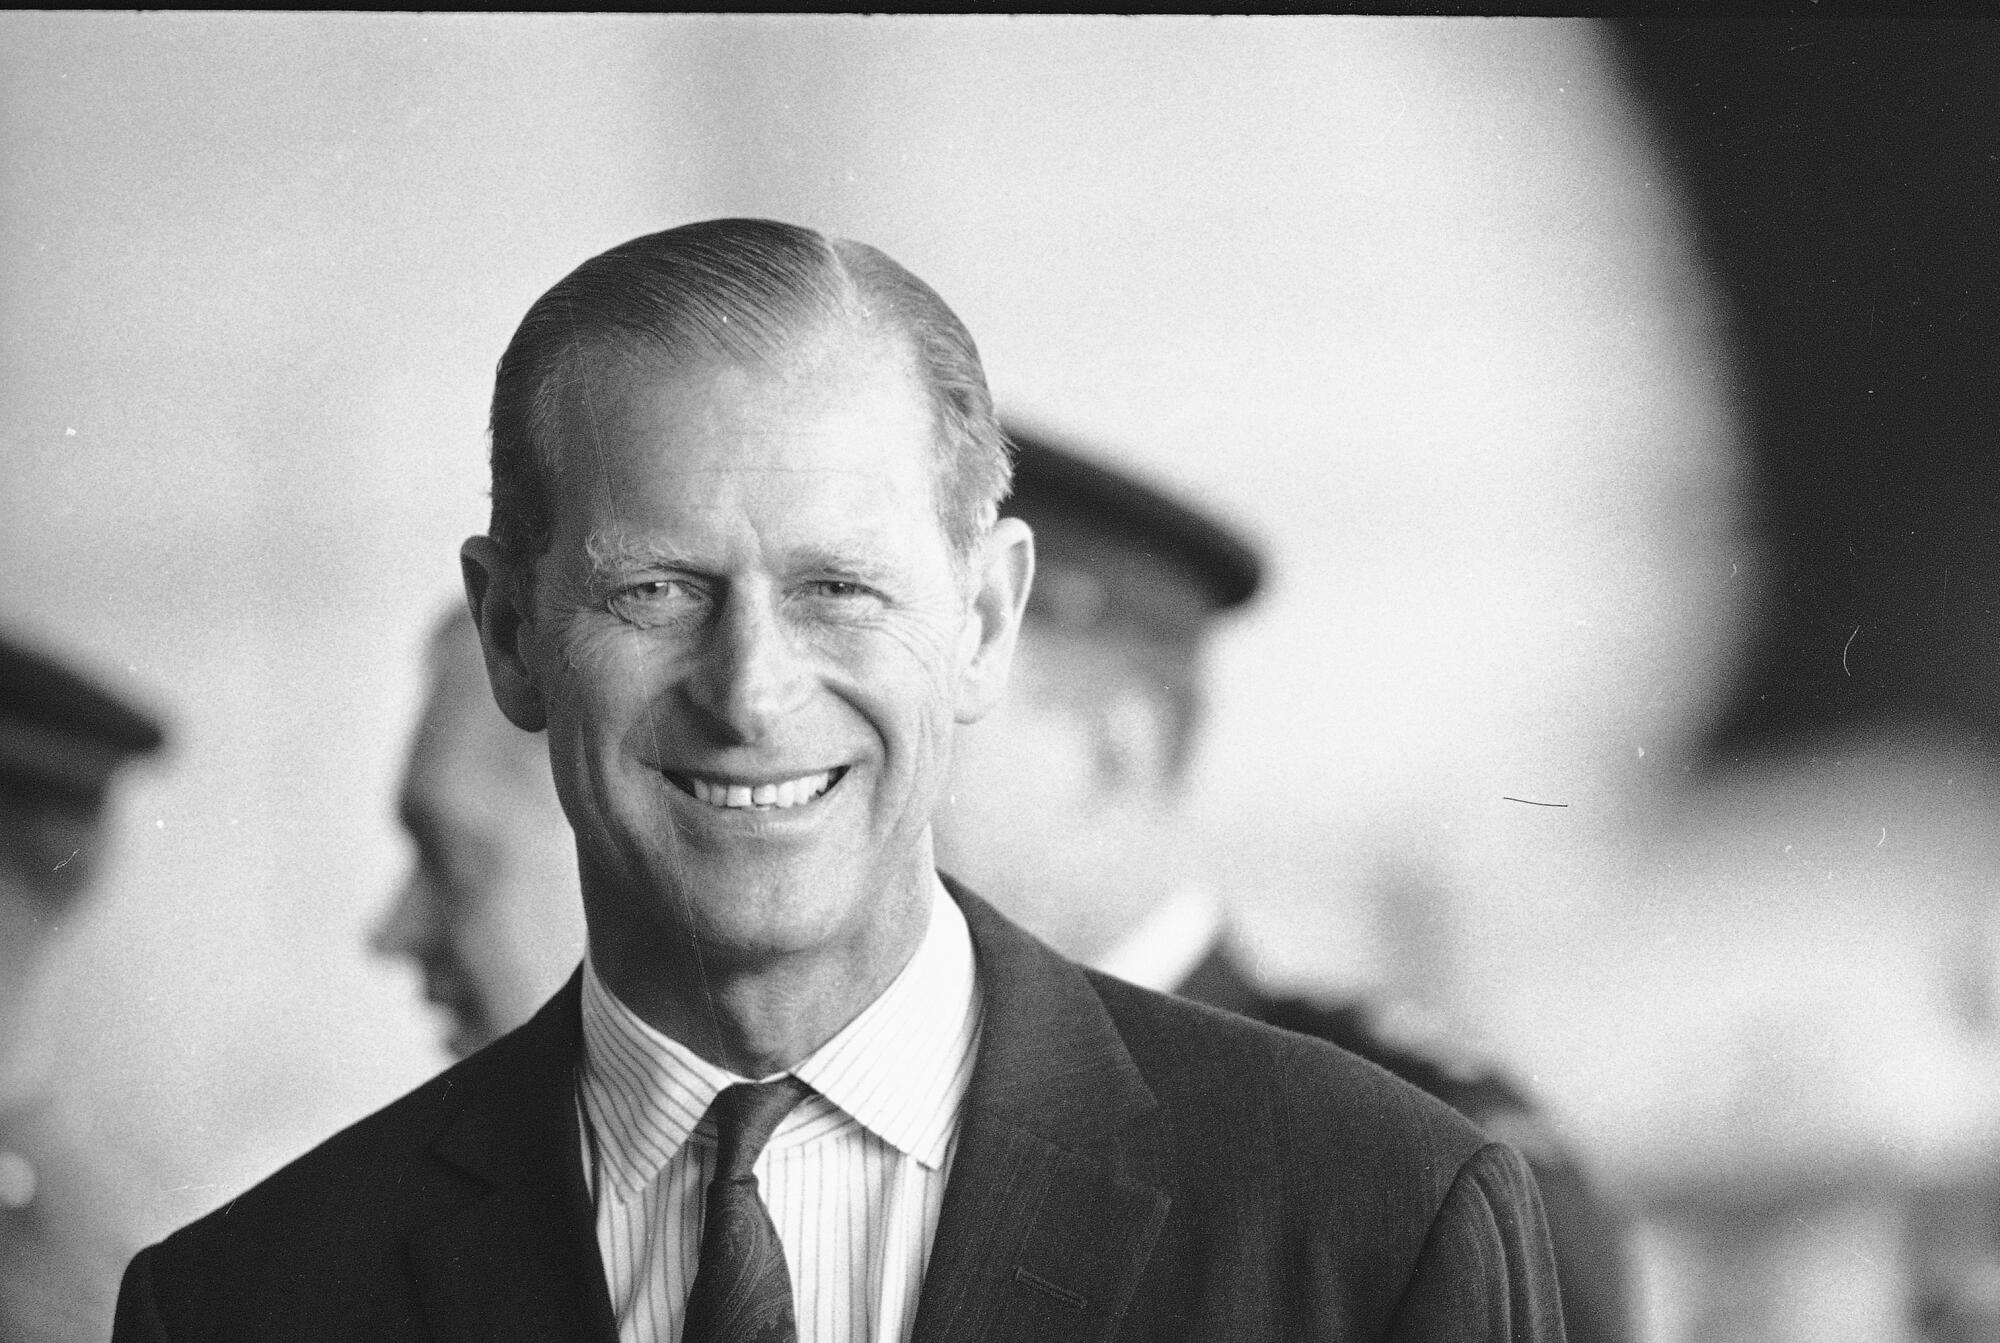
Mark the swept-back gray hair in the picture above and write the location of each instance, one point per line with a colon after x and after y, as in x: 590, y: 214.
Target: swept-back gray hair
x: 743, y: 290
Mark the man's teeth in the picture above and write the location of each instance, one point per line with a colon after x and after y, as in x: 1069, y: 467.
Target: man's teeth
x: 765, y: 796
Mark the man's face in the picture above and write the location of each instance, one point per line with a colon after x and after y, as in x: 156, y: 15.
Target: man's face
x: 490, y: 913
x: 749, y: 643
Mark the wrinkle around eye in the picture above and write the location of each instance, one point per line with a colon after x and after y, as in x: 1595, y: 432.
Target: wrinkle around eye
x: 657, y: 601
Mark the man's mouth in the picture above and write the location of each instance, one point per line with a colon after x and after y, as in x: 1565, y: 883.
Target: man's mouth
x: 774, y: 796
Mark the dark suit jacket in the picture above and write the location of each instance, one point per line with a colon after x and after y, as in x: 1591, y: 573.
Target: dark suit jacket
x: 1589, y: 1234
x: 1129, y: 1166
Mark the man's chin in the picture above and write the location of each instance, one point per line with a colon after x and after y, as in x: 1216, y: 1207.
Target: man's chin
x: 768, y: 913
x: 768, y: 936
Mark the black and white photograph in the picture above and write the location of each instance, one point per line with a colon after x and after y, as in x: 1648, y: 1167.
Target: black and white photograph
x: 681, y: 678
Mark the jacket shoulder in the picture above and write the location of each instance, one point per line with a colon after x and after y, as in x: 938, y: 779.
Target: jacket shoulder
x: 1306, y: 1183
x: 383, y: 1151
x: 1589, y: 1230
x: 1413, y: 1045
x: 318, y: 1240
x: 1271, y: 1095
x: 323, y: 1239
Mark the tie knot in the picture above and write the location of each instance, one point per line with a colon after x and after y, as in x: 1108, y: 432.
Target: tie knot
x: 745, y: 1117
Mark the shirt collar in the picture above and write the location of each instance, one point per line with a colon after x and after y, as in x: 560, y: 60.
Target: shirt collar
x: 899, y: 1069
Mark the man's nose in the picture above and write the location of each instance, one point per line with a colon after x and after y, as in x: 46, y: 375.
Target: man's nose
x: 409, y: 925
x: 751, y: 674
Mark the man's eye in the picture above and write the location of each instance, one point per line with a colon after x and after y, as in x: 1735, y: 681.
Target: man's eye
x: 841, y: 592
x: 655, y: 600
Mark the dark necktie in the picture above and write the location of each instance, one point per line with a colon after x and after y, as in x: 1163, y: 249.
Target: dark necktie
x: 742, y: 1290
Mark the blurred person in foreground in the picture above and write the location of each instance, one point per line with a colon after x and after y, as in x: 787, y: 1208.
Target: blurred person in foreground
x: 746, y: 571
x: 490, y: 914
x: 1065, y: 811
x: 63, y: 741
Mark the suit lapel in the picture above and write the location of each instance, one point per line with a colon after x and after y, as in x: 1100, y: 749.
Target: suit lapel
x: 1050, y: 1217
x: 1054, y: 1202
x: 520, y: 1262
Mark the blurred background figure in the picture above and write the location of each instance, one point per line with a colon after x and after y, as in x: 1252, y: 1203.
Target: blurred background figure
x: 490, y: 914
x: 63, y: 740
x: 1067, y: 810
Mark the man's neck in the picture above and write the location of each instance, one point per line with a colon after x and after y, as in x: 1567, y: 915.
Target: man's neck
x: 756, y: 1016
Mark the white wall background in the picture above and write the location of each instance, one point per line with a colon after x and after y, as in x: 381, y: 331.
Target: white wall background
x: 1410, y: 299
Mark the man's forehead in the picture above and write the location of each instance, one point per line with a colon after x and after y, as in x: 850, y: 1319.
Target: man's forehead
x: 701, y: 427
x: 817, y: 363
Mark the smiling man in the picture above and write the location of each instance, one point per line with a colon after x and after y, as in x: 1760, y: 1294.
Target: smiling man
x: 746, y: 573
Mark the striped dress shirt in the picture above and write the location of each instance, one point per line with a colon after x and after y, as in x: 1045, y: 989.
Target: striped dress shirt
x: 854, y: 1177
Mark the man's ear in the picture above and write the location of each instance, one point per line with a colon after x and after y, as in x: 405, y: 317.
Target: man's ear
x: 498, y: 593
x: 986, y: 646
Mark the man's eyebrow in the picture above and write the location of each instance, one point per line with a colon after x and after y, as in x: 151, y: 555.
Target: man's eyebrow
x: 619, y: 555
x: 859, y: 560
x: 612, y: 556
